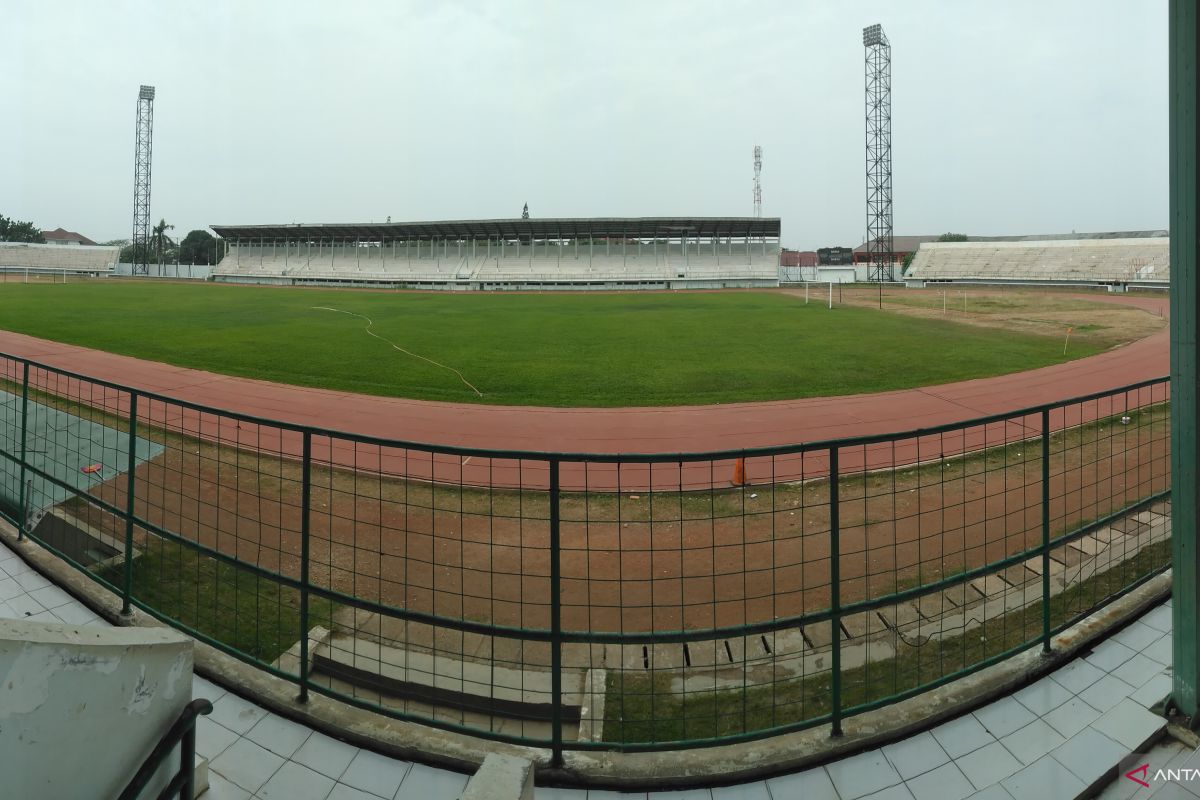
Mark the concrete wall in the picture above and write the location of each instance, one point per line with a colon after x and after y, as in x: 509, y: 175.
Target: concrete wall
x: 82, y: 707
x: 198, y: 272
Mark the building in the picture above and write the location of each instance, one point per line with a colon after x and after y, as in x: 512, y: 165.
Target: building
x: 902, y: 246
x: 65, y: 237
x: 797, y: 258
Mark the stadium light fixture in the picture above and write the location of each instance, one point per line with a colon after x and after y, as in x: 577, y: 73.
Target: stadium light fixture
x: 872, y: 35
x: 146, y: 93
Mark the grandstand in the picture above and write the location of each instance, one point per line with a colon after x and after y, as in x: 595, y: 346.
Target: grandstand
x: 489, y: 255
x: 53, y: 259
x: 1119, y: 261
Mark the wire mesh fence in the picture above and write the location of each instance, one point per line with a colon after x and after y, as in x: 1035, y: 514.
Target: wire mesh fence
x: 595, y: 601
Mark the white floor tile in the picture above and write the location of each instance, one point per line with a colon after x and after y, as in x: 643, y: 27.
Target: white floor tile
x: 374, y: 773
x: 1129, y: 724
x: 343, y: 792
x: 237, y: 714
x: 1109, y: 654
x: 961, y: 736
x: 1032, y: 742
x: 1160, y: 650
x: 812, y: 783
x: 326, y: 755
x: 860, y: 775
x: 247, y: 764
x: 988, y: 765
x: 52, y: 597
x: 31, y: 581
x: 295, y: 782
x: 1077, y: 676
x: 1044, y: 778
x: 1137, y: 670
x: 222, y: 789
x: 281, y: 736
x: 1089, y: 754
x: 1071, y: 717
x: 24, y: 606
x: 915, y: 755
x: 1043, y: 696
x: 741, y: 791
x: 1106, y: 693
x: 77, y: 614
x: 944, y: 783
x: 1138, y: 636
x: 1003, y: 716
x: 212, y: 738
x: 427, y: 783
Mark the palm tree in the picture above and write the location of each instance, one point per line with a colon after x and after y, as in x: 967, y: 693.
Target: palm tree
x: 160, y: 237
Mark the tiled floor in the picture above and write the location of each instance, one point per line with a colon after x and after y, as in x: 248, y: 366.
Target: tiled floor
x: 1050, y: 739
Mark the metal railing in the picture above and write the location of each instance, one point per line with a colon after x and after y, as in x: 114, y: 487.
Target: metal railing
x: 595, y: 601
x: 182, y: 733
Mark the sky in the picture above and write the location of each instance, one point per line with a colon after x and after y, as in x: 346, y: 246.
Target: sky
x: 1013, y: 117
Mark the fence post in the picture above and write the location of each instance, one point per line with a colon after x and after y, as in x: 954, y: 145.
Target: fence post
x: 556, y: 754
x: 835, y: 589
x: 22, y: 504
x: 305, y: 505
x: 1045, y: 531
x: 130, y: 466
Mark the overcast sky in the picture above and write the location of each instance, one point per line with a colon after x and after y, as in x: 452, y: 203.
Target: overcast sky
x: 1009, y: 117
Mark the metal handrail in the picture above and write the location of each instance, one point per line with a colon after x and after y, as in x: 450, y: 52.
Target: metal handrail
x: 183, y: 733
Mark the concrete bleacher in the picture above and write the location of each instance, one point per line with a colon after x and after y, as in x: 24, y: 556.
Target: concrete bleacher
x: 508, y: 265
x: 1118, y: 263
x: 54, y: 258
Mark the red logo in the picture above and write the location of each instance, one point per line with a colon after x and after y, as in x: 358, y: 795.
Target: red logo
x: 1144, y: 769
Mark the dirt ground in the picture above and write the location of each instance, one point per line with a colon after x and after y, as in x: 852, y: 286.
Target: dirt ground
x: 1040, y: 311
x: 638, y: 561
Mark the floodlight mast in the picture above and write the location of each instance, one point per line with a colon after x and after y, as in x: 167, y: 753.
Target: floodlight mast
x: 879, y: 154
x: 141, y: 181
x: 757, y: 181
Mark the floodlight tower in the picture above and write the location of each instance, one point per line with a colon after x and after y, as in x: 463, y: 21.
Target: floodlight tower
x: 141, y: 181
x: 879, y: 153
x: 757, y: 180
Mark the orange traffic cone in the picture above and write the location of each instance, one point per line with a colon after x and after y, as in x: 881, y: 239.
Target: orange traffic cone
x: 739, y: 472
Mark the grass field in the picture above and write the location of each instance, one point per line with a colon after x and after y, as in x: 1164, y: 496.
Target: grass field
x: 640, y: 349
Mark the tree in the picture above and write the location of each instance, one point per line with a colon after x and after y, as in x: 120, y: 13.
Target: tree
x: 906, y: 263
x: 12, y: 230
x: 198, y: 247
x: 525, y: 212
x: 160, y: 238
x: 952, y: 237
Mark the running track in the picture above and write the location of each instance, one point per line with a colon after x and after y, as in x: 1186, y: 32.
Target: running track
x: 687, y: 429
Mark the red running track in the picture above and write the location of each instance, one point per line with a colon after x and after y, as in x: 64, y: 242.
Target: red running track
x: 685, y: 429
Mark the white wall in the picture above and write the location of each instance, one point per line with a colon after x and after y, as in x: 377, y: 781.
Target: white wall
x: 82, y: 707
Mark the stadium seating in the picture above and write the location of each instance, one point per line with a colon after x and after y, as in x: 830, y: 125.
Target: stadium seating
x: 511, y: 265
x: 57, y: 258
x: 1095, y: 261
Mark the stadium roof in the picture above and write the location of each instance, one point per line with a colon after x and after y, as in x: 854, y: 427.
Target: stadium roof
x: 513, y: 228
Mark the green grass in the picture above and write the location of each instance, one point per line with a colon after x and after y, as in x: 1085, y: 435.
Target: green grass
x: 232, y: 605
x: 638, y: 349
x: 642, y: 707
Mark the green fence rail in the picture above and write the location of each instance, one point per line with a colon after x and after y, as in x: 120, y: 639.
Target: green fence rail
x: 595, y: 601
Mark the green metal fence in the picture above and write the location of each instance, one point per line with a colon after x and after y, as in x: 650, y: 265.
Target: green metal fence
x: 595, y: 601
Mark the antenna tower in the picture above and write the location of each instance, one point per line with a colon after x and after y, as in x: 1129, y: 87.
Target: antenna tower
x: 141, y: 181
x: 757, y: 180
x: 879, y: 154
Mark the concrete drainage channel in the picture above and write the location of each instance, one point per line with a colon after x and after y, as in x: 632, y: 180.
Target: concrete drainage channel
x: 390, y: 663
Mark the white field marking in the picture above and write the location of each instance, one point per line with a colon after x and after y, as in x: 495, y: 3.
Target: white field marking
x: 468, y: 461
x: 370, y: 332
